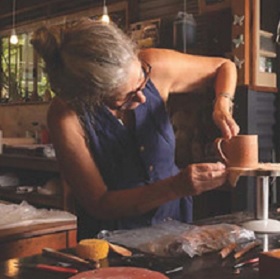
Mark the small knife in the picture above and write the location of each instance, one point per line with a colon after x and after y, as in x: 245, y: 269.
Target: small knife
x: 67, y: 257
x: 50, y: 268
x: 248, y: 262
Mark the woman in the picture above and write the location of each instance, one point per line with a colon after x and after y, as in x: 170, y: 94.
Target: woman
x: 110, y: 129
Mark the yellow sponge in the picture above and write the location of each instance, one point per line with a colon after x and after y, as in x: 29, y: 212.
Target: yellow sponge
x: 93, y: 249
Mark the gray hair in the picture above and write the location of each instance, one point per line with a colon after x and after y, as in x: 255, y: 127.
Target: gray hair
x: 86, y: 60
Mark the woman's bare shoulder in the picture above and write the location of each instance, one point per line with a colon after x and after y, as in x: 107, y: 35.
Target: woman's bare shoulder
x: 59, y: 106
x: 154, y: 55
x: 62, y: 117
x: 59, y: 109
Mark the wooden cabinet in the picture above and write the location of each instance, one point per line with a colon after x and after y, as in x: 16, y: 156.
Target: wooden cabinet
x: 245, y: 33
x: 35, y: 171
x: 30, y: 240
x: 255, y: 112
x: 254, y: 25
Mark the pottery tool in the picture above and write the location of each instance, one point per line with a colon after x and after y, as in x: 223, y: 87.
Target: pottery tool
x: 120, y: 250
x: 245, y: 263
x: 52, y: 268
x: 67, y: 258
x: 226, y: 251
x: 176, y: 269
x: 246, y: 249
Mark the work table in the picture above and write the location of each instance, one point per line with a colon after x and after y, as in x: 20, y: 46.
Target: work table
x: 208, y: 266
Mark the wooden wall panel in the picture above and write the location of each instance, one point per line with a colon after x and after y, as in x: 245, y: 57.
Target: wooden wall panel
x: 15, y: 120
x: 213, y: 34
x: 29, y: 11
x: 159, y: 8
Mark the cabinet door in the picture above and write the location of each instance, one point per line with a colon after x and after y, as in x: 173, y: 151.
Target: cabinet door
x: 253, y: 41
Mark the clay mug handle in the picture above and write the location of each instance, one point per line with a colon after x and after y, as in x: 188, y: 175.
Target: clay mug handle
x: 218, y: 144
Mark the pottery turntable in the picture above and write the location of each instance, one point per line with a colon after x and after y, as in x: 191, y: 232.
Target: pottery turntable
x: 262, y: 222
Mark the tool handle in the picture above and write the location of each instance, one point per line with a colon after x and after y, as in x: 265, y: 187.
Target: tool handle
x: 64, y: 256
x: 57, y: 268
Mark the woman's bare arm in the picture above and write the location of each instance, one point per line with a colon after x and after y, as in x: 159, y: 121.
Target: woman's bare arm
x: 82, y: 175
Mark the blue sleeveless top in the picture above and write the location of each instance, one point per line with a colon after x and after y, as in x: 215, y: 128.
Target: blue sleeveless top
x: 130, y: 158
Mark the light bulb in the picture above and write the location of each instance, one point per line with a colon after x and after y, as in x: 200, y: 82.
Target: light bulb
x: 14, y: 37
x: 105, y: 18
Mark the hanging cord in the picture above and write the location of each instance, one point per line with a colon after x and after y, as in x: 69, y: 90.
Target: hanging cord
x: 14, y: 9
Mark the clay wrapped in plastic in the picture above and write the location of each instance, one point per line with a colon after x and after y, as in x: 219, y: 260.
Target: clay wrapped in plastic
x: 173, y: 238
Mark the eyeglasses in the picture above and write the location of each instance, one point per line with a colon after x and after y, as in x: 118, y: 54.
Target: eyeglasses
x: 146, y: 68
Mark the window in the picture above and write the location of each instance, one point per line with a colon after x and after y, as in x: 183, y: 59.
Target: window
x: 22, y: 76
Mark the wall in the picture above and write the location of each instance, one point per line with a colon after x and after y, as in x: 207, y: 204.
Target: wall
x: 211, y: 37
x: 15, y: 120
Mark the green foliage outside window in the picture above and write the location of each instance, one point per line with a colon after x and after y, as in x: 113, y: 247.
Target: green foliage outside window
x: 22, y: 72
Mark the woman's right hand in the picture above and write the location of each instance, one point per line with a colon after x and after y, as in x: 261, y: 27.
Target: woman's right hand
x: 198, y: 178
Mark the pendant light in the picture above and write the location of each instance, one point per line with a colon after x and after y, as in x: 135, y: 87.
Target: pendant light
x: 14, y: 38
x: 105, y: 17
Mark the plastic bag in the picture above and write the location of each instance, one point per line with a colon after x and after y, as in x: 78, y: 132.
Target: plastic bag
x: 203, y: 239
x: 24, y: 214
x: 173, y: 238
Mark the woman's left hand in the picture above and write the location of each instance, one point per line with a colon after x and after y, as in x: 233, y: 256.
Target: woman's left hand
x: 222, y: 116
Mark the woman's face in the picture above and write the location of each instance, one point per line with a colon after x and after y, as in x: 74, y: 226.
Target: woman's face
x: 130, y: 95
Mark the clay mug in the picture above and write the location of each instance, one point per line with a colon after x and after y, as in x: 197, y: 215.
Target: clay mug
x: 240, y: 151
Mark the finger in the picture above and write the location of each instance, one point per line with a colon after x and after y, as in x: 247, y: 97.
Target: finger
x: 235, y: 129
x: 227, y: 128
x: 203, y: 186
x: 205, y: 167
x: 232, y: 127
x: 213, y: 176
x: 227, y: 125
x: 209, y: 174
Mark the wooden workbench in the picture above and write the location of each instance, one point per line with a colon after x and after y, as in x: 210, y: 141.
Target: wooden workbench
x: 29, y: 240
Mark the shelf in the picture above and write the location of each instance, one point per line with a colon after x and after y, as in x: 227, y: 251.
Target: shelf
x: 51, y: 201
x: 266, y: 79
x: 265, y: 34
x: 265, y: 89
x: 266, y: 53
x: 33, y: 164
x: 29, y: 163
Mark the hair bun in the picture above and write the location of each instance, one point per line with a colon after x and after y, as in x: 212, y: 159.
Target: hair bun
x: 46, y: 42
